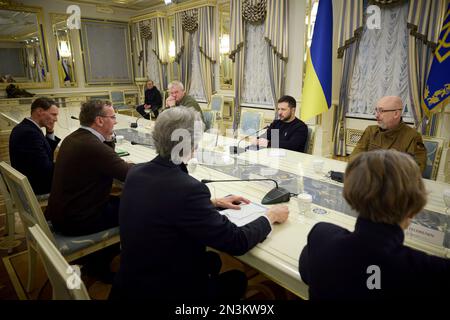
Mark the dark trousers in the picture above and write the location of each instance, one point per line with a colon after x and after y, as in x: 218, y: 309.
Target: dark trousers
x: 98, y: 263
x: 226, y: 286
x: 108, y: 218
x: 230, y: 285
x: 154, y: 109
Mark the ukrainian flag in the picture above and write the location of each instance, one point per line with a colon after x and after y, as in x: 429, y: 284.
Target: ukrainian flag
x: 316, y: 97
x: 437, y: 88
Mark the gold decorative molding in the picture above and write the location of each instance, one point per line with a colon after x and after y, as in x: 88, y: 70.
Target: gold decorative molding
x: 5, y: 3
x: 174, y: 8
x: 148, y: 16
x: 44, y: 44
x: 224, y: 6
x: 434, y: 146
x: 13, y: 6
x: 190, y: 5
x: 60, y: 18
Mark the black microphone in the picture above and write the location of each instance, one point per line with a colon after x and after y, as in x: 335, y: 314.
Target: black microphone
x: 74, y: 118
x: 237, y: 150
x: 141, y: 144
x: 276, y: 195
x: 135, y: 124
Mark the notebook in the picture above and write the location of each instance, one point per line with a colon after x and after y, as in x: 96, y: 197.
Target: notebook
x: 248, y: 213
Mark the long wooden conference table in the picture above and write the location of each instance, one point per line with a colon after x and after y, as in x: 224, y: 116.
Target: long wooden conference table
x: 277, y: 256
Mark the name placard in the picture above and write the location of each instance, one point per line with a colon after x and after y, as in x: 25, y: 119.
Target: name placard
x: 416, y: 231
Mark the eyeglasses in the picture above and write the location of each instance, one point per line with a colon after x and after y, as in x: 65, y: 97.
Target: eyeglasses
x: 379, y: 110
x: 112, y: 117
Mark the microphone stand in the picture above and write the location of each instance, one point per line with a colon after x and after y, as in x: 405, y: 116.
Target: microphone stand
x: 237, y: 150
x: 237, y: 180
x: 141, y: 144
x: 276, y: 195
x: 135, y: 124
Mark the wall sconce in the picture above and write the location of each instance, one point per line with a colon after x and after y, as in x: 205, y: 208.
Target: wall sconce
x: 64, y: 49
x: 172, y: 49
x: 224, y: 46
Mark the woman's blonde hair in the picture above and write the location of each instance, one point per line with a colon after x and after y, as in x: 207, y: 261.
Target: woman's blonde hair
x: 384, y: 186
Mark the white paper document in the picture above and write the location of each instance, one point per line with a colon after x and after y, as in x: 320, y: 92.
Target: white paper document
x: 248, y: 213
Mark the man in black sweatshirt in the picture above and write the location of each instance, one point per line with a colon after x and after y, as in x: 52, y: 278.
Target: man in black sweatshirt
x: 153, y: 101
x: 292, y: 132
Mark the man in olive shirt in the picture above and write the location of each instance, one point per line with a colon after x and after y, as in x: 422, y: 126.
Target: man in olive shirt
x: 392, y: 133
x: 178, y: 97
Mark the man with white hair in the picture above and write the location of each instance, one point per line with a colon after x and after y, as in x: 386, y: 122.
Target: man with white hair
x: 178, y: 97
x: 392, y: 133
x: 164, y: 233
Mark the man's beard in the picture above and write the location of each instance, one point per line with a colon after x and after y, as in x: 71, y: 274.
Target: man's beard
x: 286, y: 118
x: 382, y: 125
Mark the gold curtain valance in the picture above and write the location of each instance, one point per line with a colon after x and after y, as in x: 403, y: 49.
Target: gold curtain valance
x: 255, y: 12
x: 146, y: 29
x: 189, y: 20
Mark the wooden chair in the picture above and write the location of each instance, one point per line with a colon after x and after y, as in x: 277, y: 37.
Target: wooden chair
x: 309, y: 146
x: 66, y: 281
x: 117, y: 99
x: 30, y: 213
x: 217, y: 104
x: 251, y: 121
x: 434, y: 150
x: 210, y: 118
x: 4, y: 145
x: 9, y: 242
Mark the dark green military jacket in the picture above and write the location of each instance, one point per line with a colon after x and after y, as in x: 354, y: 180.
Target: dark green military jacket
x: 190, y: 102
x: 402, y: 138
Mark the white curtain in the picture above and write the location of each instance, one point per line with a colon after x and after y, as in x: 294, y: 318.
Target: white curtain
x: 256, y: 83
x: 153, y: 65
x: 381, y: 66
x: 196, y: 87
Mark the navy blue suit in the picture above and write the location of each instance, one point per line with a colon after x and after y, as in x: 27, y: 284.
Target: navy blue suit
x: 334, y: 264
x: 166, y: 222
x: 31, y: 153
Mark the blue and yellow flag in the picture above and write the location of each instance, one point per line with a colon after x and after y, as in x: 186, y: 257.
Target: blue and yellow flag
x: 437, y: 88
x: 316, y: 97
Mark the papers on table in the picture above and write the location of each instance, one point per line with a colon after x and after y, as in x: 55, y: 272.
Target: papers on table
x: 248, y: 213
